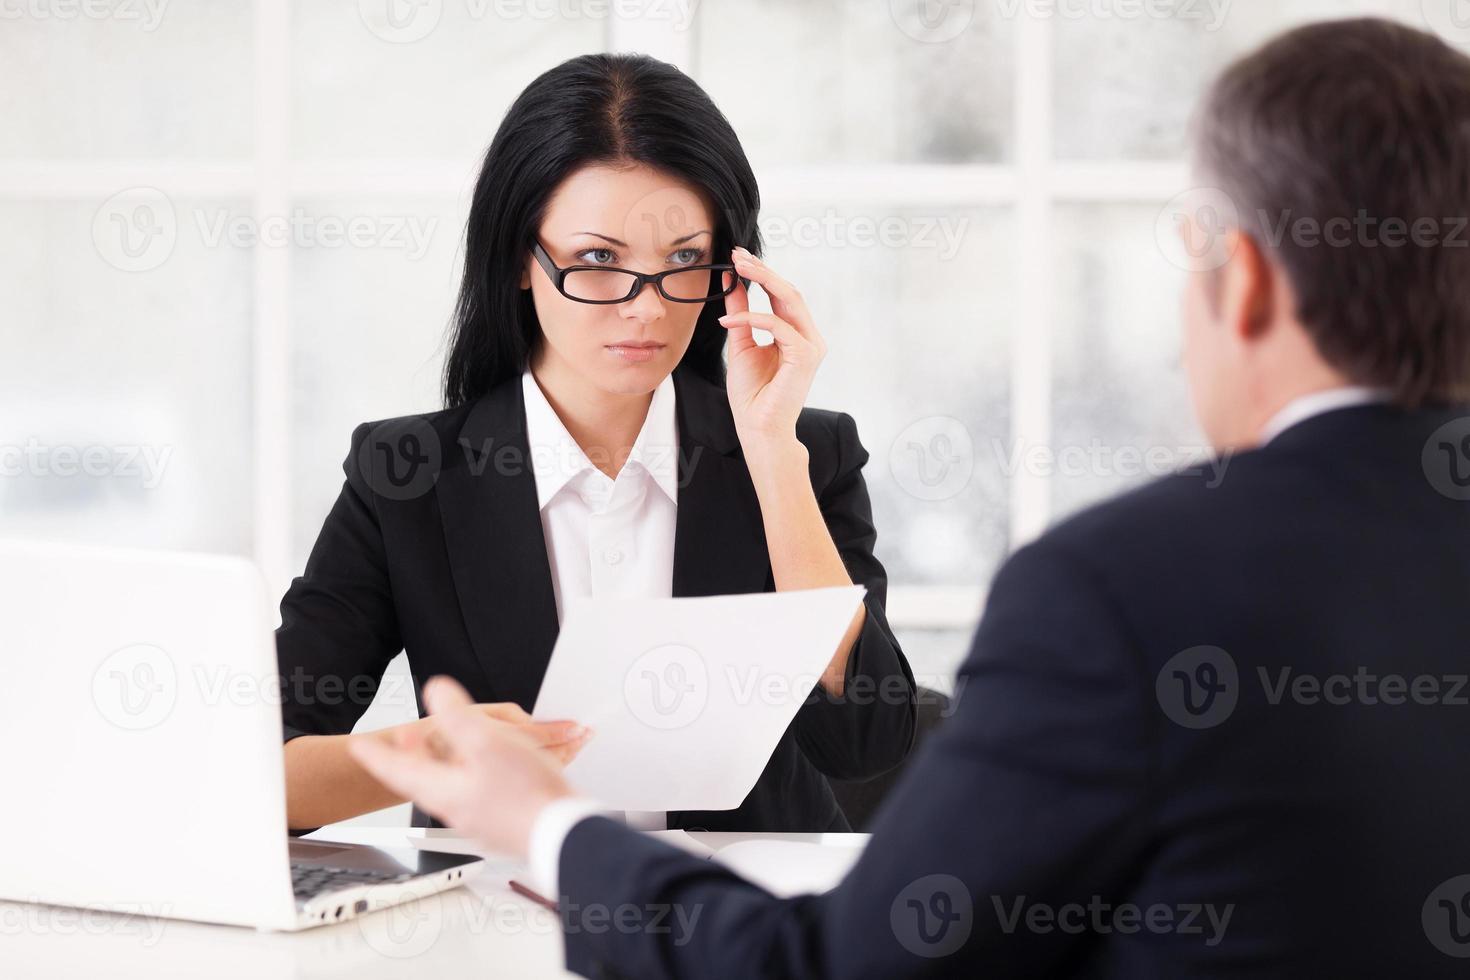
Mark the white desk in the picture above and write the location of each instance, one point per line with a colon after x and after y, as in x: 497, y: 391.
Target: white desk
x: 480, y: 930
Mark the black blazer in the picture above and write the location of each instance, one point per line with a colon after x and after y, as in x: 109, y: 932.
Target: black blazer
x: 1329, y: 825
x: 435, y: 546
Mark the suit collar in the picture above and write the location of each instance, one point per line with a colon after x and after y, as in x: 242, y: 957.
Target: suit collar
x: 1317, y: 403
x: 497, y: 549
x: 1351, y: 428
x: 719, y: 540
x: 704, y: 413
x: 498, y: 417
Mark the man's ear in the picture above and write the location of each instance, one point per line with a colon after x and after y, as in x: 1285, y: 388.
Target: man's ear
x: 1245, y: 287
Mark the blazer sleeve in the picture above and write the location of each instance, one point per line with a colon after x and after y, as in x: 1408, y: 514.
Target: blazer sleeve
x: 1035, y: 793
x: 870, y: 728
x: 339, y: 628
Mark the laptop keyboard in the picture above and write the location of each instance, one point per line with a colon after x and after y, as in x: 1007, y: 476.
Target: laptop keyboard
x: 308, y: 880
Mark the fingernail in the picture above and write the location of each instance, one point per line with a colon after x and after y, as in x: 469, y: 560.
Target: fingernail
x: 724, y: 320
x: 576, y: 731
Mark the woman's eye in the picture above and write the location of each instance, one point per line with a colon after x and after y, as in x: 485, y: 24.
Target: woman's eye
x: 688, y: 256
x: 597, y: 256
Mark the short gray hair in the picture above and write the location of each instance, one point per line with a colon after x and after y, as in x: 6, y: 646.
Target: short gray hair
x: 1345, y: 149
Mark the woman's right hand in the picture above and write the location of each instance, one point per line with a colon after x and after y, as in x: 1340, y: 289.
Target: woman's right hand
x: 559, y: 740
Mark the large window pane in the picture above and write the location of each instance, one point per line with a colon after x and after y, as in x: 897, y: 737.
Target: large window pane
x: 421, y: 81
x: 915, y: 308
x: 1125, y: 86
x: 125, y: 406
x: 805, y: 81
x: 1121, y: 412
x: 370, y: 314
x: 126, y: 80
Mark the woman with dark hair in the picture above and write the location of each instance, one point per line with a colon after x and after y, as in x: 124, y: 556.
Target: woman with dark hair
x: 594, y: 443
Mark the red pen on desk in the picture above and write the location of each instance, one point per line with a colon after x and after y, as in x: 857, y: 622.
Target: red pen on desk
x: 536, y: 897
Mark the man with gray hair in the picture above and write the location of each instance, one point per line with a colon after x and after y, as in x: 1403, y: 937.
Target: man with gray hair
x: 1205, y: 730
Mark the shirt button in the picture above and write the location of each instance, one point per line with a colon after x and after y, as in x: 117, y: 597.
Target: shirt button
x: 612, y: 556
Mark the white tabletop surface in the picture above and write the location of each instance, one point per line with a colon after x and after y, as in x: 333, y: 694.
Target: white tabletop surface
x: 482, y: 929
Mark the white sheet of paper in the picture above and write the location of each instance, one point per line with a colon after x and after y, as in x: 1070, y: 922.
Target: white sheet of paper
x: 786, y: 868
x: 687, y: 697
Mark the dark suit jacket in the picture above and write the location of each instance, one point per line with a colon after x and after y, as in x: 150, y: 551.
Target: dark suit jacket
x: 1331, y: 829
x: 435, y: 546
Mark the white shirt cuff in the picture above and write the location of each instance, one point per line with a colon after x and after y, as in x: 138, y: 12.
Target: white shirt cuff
x: 548, y: 834
x: 647, y: 819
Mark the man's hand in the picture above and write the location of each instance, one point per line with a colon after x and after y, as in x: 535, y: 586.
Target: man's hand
x: 485, y: 777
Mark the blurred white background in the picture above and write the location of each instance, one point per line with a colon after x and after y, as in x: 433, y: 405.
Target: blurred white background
x: 232, y: 232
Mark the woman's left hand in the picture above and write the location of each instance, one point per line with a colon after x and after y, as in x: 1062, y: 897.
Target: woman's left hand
x: 768, y: 385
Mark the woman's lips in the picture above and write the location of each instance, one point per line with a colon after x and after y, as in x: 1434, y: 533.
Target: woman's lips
x: 634, y: 353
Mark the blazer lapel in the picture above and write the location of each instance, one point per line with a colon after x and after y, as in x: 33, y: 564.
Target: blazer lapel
x: 719, y: 539
x: 497, y: 550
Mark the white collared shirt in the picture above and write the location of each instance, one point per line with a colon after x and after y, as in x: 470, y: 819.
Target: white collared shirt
x: 607, y: 537
x: 1300, y: 409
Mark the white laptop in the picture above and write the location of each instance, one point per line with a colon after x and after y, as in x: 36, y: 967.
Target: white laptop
x: 142, y: 767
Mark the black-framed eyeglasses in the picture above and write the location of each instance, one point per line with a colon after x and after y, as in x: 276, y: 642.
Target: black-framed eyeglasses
x: 604, y: 284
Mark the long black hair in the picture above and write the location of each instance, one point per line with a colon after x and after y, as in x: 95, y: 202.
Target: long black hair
x: 597, y: 108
